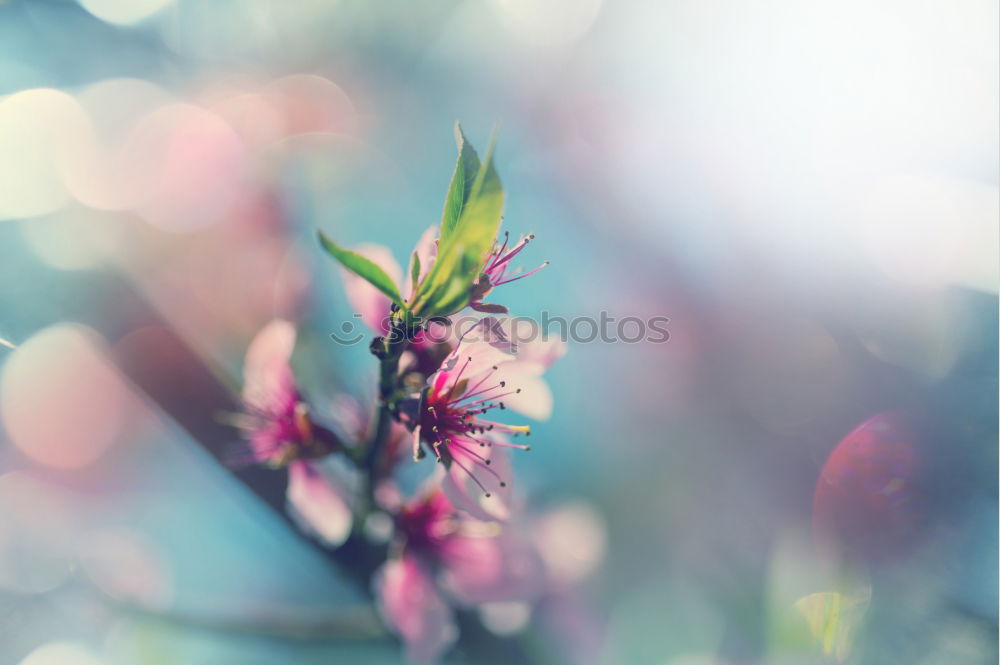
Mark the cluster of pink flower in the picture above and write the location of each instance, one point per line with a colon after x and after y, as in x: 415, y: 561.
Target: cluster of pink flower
x: 452, y: 544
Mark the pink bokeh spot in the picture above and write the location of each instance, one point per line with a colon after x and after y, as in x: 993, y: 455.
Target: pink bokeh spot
x: 864, y: 503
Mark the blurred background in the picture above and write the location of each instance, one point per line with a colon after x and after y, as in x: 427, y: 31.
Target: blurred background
x: 806, y: 472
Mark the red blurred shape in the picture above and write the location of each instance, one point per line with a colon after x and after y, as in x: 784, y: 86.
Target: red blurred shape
x: 864, y: 503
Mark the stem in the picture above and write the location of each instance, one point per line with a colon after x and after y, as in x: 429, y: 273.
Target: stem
x: 393, y: 346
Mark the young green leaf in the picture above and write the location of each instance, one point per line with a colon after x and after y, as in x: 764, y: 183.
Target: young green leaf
x: 466, y: 170
x: 461, y: 256
x: 362, y: 267
x: 414, y: 269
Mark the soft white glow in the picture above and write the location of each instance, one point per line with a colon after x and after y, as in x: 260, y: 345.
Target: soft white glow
x: 548, y: 23
x: 62, y: 653
x: 123, y: 12
x: 768, y: 123
x: 932, y: 230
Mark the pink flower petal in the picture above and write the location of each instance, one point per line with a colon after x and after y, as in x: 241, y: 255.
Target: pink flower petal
x: 369, y: 302
x: 472, y: 361
x: 413, y: 608
x: 535, y: 398
x: 319, y: 507
x: 541, y: 352
x: 491, y: 569
x: 267, y: 376
x: 467, y: 495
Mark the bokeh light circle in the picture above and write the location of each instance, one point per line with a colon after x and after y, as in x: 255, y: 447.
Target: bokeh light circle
x: 125, y: 565
x: 39, y: 128
x: 194, y: 164
x: 572, y: 541
x: 505, y: 618
x: 61, y: 401
x: 108, y: 172
x: 37, y: 534
x: 865, y: 502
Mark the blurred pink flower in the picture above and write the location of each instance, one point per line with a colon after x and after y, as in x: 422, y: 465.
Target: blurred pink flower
x: 497, y: 272
x: 413, y: 607
x: 281, y: 433
x: 279, y: 424
x: 444, y: 559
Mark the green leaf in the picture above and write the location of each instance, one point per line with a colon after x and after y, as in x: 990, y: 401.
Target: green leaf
x: 362, y: 267
x: 466, y: 170
x: 461, y: 255
x: 414, y: 270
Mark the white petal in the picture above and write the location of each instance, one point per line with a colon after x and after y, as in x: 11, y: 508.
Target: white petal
x: 535, y: 398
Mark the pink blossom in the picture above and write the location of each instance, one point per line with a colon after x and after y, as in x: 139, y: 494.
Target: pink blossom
x: 497, y: 271
x: 481, y: 375
x: 532, y: 358
x: 282, y: 433
x: 446, y: 558
x: 277, y: 424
